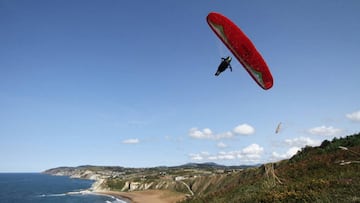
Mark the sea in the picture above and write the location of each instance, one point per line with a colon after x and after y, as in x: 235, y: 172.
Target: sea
x: 43, y: 188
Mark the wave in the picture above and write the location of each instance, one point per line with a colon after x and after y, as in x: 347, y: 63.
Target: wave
x: 84, y: 192
x: 115, y: 200
x: 52, y: 195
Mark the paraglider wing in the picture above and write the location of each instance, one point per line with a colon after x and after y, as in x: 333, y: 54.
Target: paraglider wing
x: 242, y: 48
x: 278, y: 128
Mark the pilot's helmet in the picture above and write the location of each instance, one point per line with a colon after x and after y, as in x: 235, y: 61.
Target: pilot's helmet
x: 228, y: 59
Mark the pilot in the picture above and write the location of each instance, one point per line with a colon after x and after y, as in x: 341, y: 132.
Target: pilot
x: 225, y: 63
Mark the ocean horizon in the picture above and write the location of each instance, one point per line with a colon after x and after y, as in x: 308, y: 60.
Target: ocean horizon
x: 44, y: 188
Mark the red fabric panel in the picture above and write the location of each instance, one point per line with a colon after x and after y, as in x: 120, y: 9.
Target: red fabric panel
x: 242, y: 48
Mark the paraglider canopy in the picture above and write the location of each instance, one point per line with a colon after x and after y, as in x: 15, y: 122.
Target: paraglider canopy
x: 242, y: 48
x: 278, y: 128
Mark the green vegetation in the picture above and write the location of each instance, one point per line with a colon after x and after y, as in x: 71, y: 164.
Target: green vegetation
x: 316, y: 174
x: 328, y: 173
x: 115, y: 184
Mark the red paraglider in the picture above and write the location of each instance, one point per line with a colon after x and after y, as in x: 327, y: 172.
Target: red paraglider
x: 242, y: 48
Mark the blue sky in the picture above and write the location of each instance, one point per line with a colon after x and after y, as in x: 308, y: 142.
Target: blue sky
x: 131, y: 83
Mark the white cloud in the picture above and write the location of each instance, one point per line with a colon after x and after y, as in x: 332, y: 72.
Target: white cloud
x: 325, y: 131
x: 291, y: 152
x: 244, y: 129
x: 354, y: 116
x: 206, y: 133
x: 302, y: 142
x: 295, y: 145
x: 253, y: 149
x: 221, y: 145
x: 227, y: 155
x: 224, y: 135
x: 131, y: 141
x: 201, y: 134
x: 250, y: 154
x: 212, y: 158
x: 199, y: 157
x: 196, y: 157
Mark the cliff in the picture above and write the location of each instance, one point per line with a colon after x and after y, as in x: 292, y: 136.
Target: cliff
x: 123, y: 179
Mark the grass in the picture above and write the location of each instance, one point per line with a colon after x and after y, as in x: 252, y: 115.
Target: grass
x: 312, y: 175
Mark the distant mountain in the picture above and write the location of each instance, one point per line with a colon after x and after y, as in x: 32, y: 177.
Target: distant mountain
x: 214, y: 166
x: 201, y: 165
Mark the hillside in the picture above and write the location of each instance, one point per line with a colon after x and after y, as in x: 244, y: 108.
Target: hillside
x: 121, y: 179
x: 327, y: 173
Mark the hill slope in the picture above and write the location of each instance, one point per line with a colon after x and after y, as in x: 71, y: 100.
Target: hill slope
x: 328, y: 173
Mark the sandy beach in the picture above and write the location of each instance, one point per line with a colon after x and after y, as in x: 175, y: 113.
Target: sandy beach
x: 148, y: 196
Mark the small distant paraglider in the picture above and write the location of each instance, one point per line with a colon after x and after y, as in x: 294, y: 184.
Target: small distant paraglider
x: 278, y: 128
x: 242, y: 48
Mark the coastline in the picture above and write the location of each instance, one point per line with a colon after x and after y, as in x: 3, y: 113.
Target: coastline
x: 148, y: 196
x: 137, y: 196
x: 113, y: 195
x: 108, y: 194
